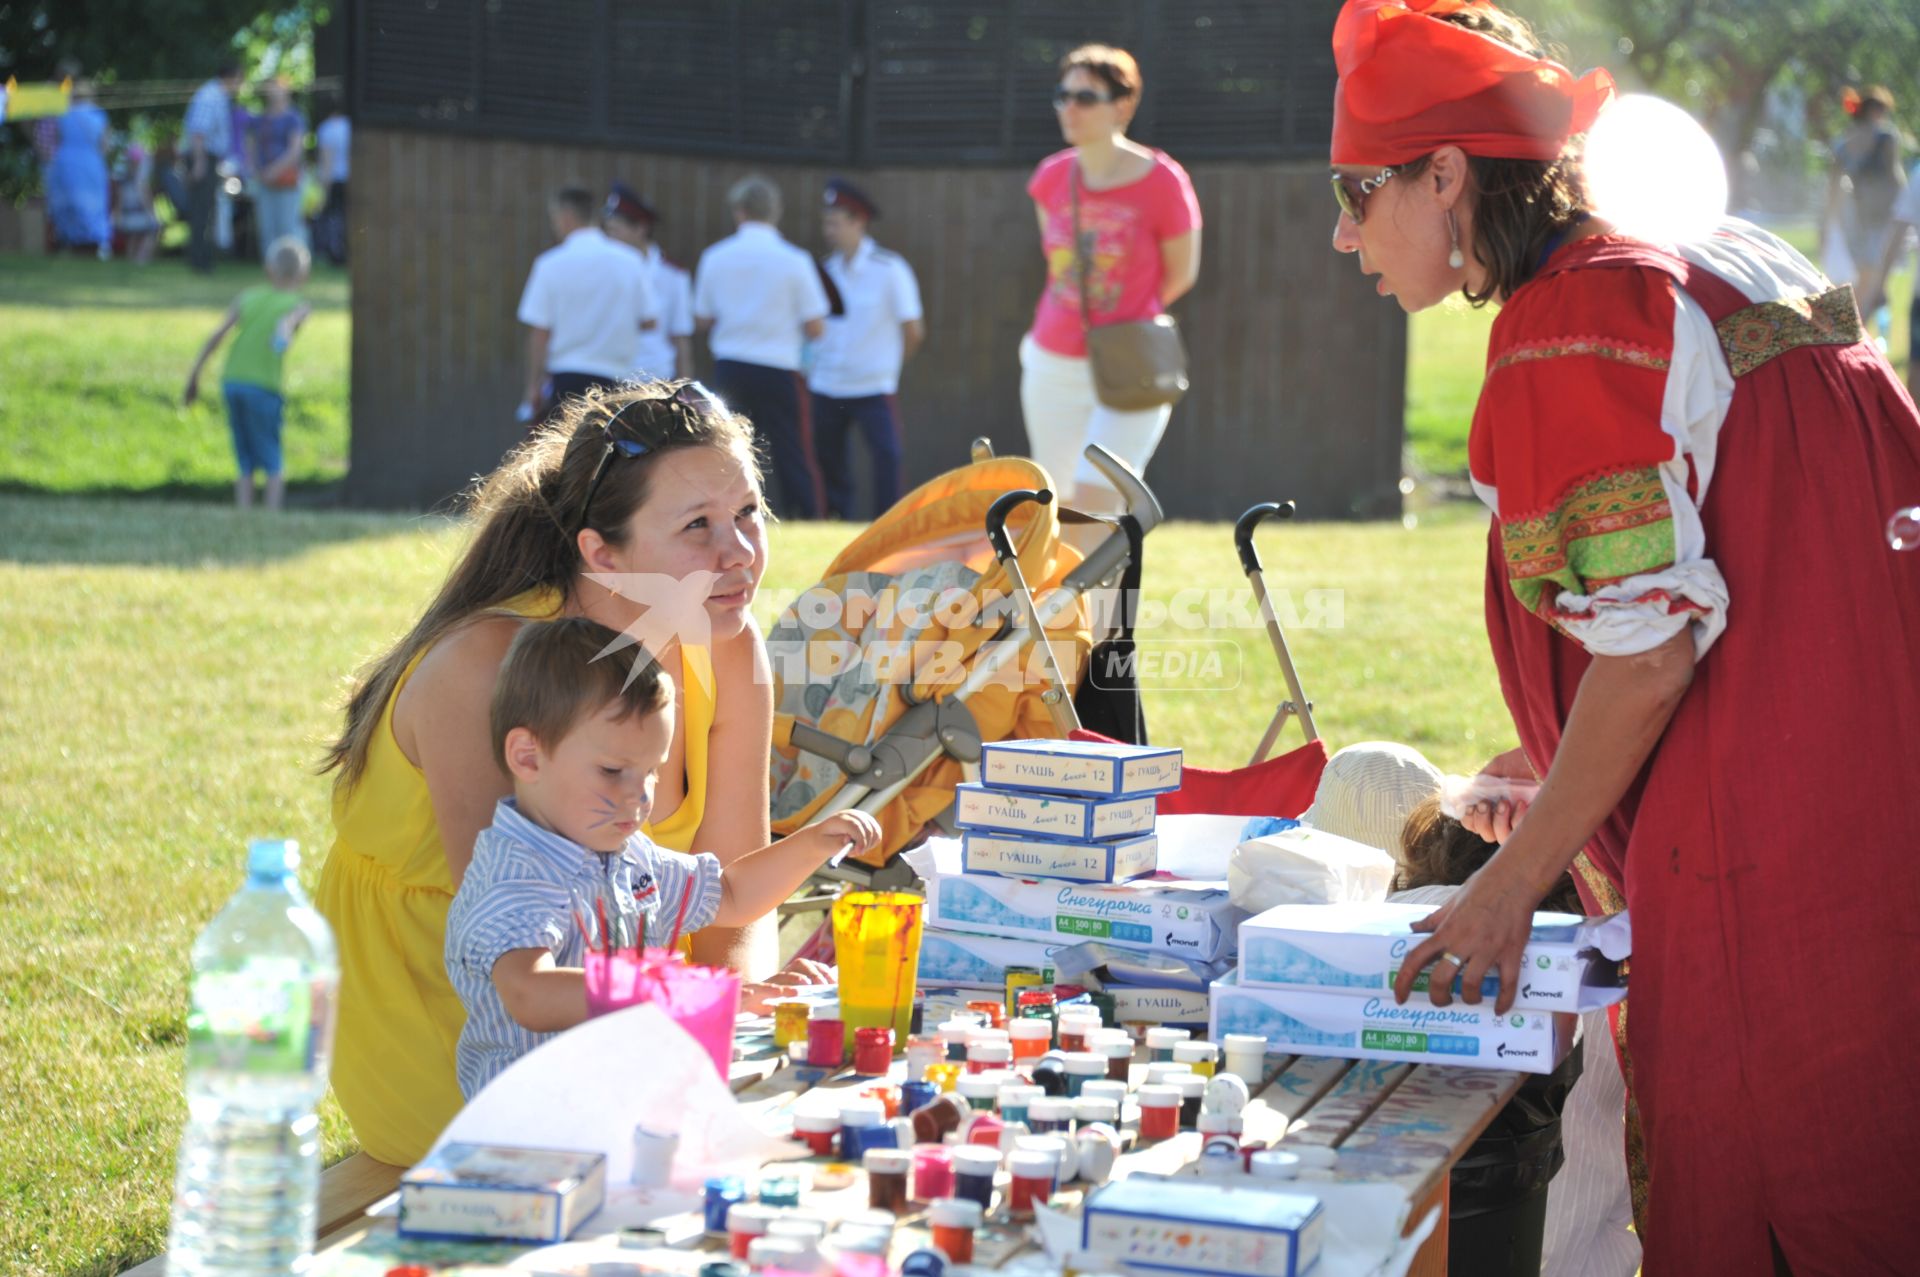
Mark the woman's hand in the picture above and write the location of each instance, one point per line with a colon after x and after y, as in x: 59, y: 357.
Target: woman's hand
x: 1494, y: 819
x: 757, y: 997
x: 1482, y: 929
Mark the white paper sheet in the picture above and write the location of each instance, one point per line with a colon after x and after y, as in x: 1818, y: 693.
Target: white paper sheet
x: 588, y: 1088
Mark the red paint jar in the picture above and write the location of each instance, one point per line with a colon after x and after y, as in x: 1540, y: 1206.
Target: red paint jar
x: 1032, y: 1182
x: 889, y: 1097
x: 993, y: 1009
x: 818, y: 1131
x: 746, y: 1221
x: 826, y: 1042
x: 872, y: 1051
x: 1159, y: 1112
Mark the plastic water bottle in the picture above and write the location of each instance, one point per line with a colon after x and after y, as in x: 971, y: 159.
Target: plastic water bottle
x: 259, y: 1036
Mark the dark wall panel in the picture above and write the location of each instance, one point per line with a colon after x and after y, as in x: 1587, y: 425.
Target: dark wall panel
x: 1298, y: 369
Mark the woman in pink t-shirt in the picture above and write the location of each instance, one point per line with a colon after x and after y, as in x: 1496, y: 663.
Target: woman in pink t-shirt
x: 1140, y: 225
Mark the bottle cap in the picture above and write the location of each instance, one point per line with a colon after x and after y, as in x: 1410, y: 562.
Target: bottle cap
x: 806, y: 1228
x: 1019, y: 1095
x: 1096, y: 1110
x: 973, y: 1159
x: 1163, y: 1038
x: 862, y: 1113
x: 271, y: 861
x: 1030, y: 1030
x: 1273, y: 1164
x: 789, y: 1253
x: 1241, y: 1043
x: 955, y: 1212
x: 1050, y: 1108
x: 989, y: 1052
x: 1086, y: 1064
x: 1191, y: 1085
x: 1226, y: 1093
x: 825, y: 1011
x: 1190, y: 1052
x: 749, y: 1217
x: 1167, y: 1071
x: 887, y: 1161
x: 1159, y: 1096
x: 1032, y: 1164
x: 980, y: 1086
x: 816, y: 1121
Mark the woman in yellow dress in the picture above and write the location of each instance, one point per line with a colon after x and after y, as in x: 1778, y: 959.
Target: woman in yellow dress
x: 640, y: 508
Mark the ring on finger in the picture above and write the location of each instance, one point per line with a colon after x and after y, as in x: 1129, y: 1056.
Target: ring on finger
x: 1454, y: 958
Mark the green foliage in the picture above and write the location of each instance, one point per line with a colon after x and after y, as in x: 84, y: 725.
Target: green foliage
x: 124, y: 39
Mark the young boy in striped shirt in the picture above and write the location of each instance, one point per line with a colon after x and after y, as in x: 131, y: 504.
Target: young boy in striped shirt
x: 582, y: 736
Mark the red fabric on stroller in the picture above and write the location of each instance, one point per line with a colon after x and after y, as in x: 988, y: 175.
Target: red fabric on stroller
x: 1279, y: 786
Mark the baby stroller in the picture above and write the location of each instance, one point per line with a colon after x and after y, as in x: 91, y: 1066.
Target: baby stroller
x: 960, y: 616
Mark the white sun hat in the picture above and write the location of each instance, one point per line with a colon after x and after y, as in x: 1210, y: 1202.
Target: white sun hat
x: 1368, y: 790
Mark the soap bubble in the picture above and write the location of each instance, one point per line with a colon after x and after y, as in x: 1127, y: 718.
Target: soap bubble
x: 1903, y: 529
x: 1654, y: 172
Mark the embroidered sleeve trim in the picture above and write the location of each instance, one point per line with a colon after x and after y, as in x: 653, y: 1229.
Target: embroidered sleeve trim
x: 1760, y: 333
x: 1624, y: 352
x: 1606, y: 528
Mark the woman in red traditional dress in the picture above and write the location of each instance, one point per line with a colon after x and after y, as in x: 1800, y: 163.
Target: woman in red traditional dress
x: 1711, y: 654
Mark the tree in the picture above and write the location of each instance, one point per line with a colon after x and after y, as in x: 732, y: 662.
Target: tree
x: 124, y: 39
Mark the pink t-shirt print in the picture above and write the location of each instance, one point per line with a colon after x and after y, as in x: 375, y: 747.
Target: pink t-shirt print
x: 1125, y: 227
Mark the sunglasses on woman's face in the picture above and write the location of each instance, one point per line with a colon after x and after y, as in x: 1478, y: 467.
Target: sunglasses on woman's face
x: 1079, y: 97
x: 653, y: 435
x: 1350, y: 193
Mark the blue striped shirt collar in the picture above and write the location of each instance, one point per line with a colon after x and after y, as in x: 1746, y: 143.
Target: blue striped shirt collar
x: 558, y: 853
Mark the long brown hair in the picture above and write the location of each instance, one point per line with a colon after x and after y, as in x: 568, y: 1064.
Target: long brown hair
x: 525, y: 513
x: 1519, y: 205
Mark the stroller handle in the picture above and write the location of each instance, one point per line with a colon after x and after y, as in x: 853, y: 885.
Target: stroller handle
x: 1139, y: 498
x: 1244, y: 528
x: 997, y: 514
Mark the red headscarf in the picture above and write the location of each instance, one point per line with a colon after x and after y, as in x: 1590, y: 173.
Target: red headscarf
x: 1411, y: 83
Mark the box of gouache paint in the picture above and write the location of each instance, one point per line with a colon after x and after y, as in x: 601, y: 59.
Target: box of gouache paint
x: 1094, y: 768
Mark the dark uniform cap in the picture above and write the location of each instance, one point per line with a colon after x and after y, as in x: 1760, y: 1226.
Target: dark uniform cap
x: 625, y: 203
x: 843, y: 194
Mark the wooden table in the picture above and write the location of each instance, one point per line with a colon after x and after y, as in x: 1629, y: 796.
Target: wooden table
x: 1398, y: 1124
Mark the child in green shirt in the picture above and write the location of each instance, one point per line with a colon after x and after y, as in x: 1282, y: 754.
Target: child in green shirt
x: 264, y: 320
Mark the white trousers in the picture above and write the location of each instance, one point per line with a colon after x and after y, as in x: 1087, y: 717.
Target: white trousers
x: 1063, y: 416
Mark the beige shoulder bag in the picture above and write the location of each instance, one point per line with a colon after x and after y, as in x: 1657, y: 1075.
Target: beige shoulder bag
x: 1138, y: 365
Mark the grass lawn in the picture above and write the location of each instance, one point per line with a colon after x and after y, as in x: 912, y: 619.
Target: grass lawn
x: 93, y: 359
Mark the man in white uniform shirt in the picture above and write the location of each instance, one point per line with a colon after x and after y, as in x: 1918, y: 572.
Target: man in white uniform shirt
x: 666, y: 349
x: 856, y: 367
x: 759, y: 298
x: 586, y: 301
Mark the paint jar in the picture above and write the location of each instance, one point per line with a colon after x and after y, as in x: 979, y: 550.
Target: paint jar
x: 1049, y: 1114
x: 1220, y: 1138
x: 1202, y: 1057
x: 1193, y: 1089
x: 1017, y: 981
x: 1013, y: 1100
x: 1036, y: 1004
x: 887, y: 1178
x: 984, y: 1129
x: 922, y: 1050
x: 1246, y: 1056
x: 809, y: 1230
x: 746, y: 1221
x: 915, y: 1096
x: 779, y: 1189
x: 781, y: 1255
x: 1098, y: 1147
x: 954, y: 1220
x: 888, y: 1096
x: 1159, y: 1112
x: 939, y: 1119
x: 1031, y: 1183
x: 1087, y: 1111
x: 932, y: 1173
x: 903, y: 1134
x: 1166, y: 1071
x: 1119, y: 1053
x: 652, y: 1157
x: 872, y: 1051
x: 1030, y: 1038
x: 1272, y: 1163
x: 826, y: 1041
x: 980, y: 1090
x: 1049, y: 1073
x: 1225, y: 1093
x: 862, y: 1125
x: 790, y: 1017
x: 944, y: 1074
x: 1161, y: 1041
x: 993, y: 1008
x: 1082, y: 1066
x: 983, y: 1057
x: 1102, y: 1089
x: 953, y: 1034
x: 1074, y: 1029
x: 817, y: 1130
x: 722, y: 1192
x: 876, y: 942
x: 973, y: 1172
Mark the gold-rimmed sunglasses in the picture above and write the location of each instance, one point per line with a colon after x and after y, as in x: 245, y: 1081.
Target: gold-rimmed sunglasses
x: 1350, y: 193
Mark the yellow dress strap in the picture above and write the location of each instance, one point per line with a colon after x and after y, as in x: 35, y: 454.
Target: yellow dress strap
x: 676, y: 832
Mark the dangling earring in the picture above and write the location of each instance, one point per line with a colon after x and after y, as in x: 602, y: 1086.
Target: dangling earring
x: 1454, y: 259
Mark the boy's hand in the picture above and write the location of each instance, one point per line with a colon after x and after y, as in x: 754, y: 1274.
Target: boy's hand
x: 841, y: 828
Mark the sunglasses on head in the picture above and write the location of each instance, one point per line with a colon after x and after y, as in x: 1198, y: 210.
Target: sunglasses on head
x: 1350, y: 193
x: 653, y: 435
x: 1080, y: 97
